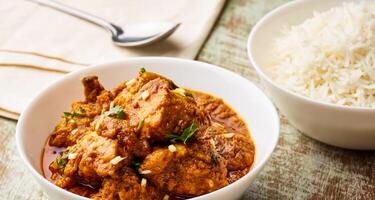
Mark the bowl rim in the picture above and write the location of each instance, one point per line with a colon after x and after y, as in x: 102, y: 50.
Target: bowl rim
x: 252, y: 37
x: 42, y: 180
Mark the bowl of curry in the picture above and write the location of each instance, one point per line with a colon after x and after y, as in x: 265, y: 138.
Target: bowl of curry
x: 148, y: 128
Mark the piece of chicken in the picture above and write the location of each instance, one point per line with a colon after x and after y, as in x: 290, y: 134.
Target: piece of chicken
x: 187, y: 171
x: 91, y: 159
x: 156, y: 108
x: 237, y: 149
x: 127, y: 186
x: 120, y: 129
x: 73, y: 125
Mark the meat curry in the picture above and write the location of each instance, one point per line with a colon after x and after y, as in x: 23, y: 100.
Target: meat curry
x: 147, y: 139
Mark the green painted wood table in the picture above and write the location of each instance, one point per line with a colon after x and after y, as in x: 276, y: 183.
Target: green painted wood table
x: 300, y: 167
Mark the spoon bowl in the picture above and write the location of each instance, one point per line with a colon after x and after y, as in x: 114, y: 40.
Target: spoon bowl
x: 143, y: 34
x: 135, y: 35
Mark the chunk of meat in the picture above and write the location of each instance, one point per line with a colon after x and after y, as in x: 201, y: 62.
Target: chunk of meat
x: 125, y: 187
x: 66, y: 132
x: 110, y: 127
x: 237, y: 149
x: 92, y: 88
x: 126, y: 90
x: 92, y: 159
x: 158, y: 111
x: 71, y: 185
x: 97, y: 153
x: 189, y: 171
x: 82, y: 114
x: 153, y: 107
x: 120, y: 129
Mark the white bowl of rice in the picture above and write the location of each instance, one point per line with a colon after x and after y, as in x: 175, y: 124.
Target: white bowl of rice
x: 316, y: 59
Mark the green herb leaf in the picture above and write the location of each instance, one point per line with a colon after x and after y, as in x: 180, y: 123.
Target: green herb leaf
x: 140, y: 124
x: 136, y: 165
x: 121, y: 114
x: 142, y: 70
x: 117, y: 111
x: 173, y: 138
x: 62, y: 160
x: 214, y: 158
x: 189, y: 94
x: 186, y: 134
x: 73, y: 114
x: 83, y: 111
x: 189, y: 131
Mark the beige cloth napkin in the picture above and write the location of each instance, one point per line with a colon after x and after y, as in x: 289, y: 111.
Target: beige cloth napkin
x: 38, y: 44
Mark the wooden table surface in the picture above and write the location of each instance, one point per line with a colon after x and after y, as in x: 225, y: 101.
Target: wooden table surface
x: 300, y: 167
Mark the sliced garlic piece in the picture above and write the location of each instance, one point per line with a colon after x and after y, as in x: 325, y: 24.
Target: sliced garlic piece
x: 172, y: 148
x: 228, y: 135
x: 116, y: 160
x: 179, y: 91
x: 72, y: 156
x: 74, y: 131
x: 143, y: 182
x: 145, y: 172
x: 99, y: 122
x: 145, y: 95
x: 131, y: 82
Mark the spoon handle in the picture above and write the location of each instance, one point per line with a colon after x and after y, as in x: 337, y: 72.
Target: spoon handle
x: 77, y: 13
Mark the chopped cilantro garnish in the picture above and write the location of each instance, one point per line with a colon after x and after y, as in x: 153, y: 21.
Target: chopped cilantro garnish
x: 62, y: 160
x: 142, y: 70
x: 116, y: 111
x: 136, y: 164
x: 186, y: 134
x: 82, y: 110
x: 189, y: 94
x: 73, y: 114
x: 214, y: 158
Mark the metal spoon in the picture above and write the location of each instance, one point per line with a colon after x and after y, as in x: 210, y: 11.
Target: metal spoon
x: 135, y: 35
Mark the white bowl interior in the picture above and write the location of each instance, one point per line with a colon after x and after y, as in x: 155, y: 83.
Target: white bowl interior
x: 39, y: 119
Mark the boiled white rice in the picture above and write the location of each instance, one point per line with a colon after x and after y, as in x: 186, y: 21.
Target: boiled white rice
x: 331, y: 56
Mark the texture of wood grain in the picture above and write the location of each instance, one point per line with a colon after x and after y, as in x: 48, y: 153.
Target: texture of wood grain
x: 15, y: 181
x: 300, y: 167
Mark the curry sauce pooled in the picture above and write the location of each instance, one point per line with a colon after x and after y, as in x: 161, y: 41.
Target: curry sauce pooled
x: 147, y: 139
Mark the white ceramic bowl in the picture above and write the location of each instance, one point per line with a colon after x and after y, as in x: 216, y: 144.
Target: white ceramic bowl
x: 42, y: 114
x: 347, y: 127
